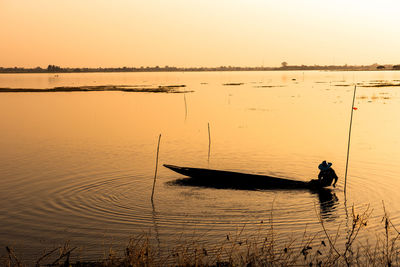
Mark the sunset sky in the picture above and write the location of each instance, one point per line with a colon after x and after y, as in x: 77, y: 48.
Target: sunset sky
x: 113, y: 33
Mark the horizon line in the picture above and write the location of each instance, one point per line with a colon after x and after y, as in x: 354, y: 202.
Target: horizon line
x: 284, y: 66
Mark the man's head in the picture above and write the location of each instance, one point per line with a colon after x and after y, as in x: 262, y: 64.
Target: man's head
x: 324, y: 165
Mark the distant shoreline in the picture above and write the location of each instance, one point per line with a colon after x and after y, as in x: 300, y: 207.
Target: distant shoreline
x: 58, y: 69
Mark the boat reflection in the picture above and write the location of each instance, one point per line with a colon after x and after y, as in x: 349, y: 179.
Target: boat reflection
x: 328, y: 201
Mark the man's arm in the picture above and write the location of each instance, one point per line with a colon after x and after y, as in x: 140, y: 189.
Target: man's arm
x: 334, y: 183
x: 336, y: 178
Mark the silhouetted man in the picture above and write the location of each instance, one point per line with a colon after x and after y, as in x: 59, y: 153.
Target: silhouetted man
x: 326, y: 174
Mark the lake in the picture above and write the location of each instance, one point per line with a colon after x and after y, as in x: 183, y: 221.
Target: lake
x: 79, y: 166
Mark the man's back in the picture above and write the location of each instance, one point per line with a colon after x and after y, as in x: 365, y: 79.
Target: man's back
x: 326, y: 177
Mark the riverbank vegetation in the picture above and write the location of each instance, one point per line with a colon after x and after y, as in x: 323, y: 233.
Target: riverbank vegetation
x: 324, y: 248
x: 284, y: 66
x: 102, y: 88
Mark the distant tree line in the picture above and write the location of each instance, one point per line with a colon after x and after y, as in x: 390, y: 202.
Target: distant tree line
x: 53, y: 68
x: 284, y: 66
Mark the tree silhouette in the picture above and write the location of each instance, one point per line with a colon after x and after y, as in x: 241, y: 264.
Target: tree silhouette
x: 53, y: 68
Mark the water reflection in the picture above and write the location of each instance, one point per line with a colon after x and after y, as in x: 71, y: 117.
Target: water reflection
x: 328, y: 201
x: 156, y: 227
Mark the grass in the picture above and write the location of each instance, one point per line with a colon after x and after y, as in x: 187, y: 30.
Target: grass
x: 261, y: 249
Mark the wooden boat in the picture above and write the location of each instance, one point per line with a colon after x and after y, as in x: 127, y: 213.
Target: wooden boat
x: 229, y: 179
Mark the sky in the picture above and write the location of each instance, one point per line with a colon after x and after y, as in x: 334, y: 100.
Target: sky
x: 206, y: 33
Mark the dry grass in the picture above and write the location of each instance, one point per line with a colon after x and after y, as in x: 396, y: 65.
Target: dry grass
x: 314, y: 249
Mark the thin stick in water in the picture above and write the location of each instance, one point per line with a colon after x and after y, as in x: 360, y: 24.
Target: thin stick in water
x: 209, y: 142
x: 348, y: 143
x: 184, y: 98
x: 155, y: 173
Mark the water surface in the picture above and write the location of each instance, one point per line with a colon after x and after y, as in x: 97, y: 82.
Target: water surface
x: 79, y: 166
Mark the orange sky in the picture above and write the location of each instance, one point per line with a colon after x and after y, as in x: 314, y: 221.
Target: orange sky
x: 100, y: 33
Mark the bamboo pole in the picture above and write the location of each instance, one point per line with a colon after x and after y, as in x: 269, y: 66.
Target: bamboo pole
x: 184, y: 98
x: 209, y: 142
x: 348, y: 143
x: 155, y: 173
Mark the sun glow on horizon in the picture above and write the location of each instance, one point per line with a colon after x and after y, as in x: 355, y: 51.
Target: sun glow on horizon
x: 189, y: 33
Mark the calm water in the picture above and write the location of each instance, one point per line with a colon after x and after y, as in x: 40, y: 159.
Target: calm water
x: 79, y: 166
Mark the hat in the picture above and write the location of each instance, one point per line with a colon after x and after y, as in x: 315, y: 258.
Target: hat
x: 324, y: 166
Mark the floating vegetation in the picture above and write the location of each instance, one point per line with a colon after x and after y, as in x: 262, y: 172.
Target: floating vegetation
x: 232, y: 84
x: 101, y: 88
x: 257, y: 109
x: 268, y: 86
x: 373, y: 97
x: 381, y: 85
x: 173, y: 86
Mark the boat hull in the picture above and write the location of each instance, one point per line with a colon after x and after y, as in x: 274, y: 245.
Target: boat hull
x: 229, y: 179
